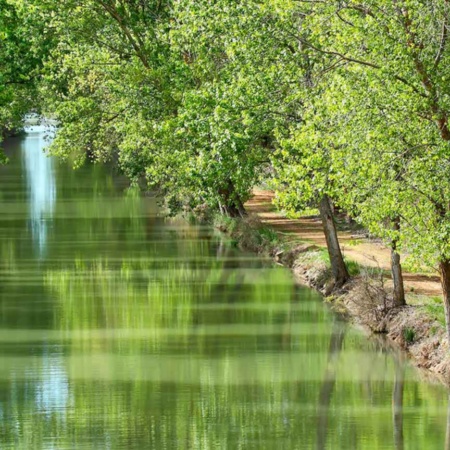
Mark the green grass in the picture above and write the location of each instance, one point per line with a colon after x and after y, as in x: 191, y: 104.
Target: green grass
x: 411, y: 266
x: 432, y: 306
x: 322, y: 255
x: 409, y: 335
x: 435, y: 309
x: 268, y: 235
x: 249, y: 234
x: 308, y: 212
x: 353, y: 242
x: 353, y: 267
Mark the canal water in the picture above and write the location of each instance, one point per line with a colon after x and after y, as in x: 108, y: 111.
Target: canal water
x: 122, y: 330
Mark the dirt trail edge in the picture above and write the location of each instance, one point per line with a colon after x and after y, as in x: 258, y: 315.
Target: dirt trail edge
x: 366, y: 300
x: 356, y: 248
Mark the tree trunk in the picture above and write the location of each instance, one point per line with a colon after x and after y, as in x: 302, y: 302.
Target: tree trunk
x: 233, y: 210
x: 240, y: 207
x: 396, y: 268
x: 338, y: 267
x: 232, y: 205
x: 444, y: 270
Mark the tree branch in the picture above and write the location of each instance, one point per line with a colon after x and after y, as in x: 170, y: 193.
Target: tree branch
x: 360, y: 62
x: 136, y: 43
x: 443, y: 43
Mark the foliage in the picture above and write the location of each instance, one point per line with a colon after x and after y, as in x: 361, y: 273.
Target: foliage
x: 250, y: 234
x: 24, y: 44
x: 339, y: 99
x: 147, y: 88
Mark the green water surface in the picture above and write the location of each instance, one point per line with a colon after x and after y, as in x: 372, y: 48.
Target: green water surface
x: 122, y: 330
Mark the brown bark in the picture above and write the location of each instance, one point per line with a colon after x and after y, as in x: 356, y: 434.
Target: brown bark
x: 444, y: 270
x: 231, y: 205
x: 396, y: 269
x: 338, y: 267
x: 441, y: 118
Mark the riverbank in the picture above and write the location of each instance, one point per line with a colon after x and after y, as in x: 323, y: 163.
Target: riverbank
x: 418, y: 328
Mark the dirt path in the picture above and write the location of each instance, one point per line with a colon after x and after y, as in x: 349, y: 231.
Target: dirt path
x: 360, y: 250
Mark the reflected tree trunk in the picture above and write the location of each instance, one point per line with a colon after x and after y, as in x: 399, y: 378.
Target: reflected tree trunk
x: 286, y: 338
x: 329, y: 381
x: 447, y: 433
x: 397, y: 405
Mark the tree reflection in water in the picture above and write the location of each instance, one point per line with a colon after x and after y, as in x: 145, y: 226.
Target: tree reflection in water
x: 329, y: 381
x: 397, y: 404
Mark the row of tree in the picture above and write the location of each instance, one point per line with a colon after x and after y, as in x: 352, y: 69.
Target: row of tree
x: 333, y: 102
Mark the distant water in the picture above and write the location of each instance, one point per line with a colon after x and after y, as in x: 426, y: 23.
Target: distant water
x: 121, y: 330
x: 41, y: 185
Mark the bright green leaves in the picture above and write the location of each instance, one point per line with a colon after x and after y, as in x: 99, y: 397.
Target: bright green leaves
x: 203, y: 98
x: 17, y: 66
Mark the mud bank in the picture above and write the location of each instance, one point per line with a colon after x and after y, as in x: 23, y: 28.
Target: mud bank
x: 365, y: 299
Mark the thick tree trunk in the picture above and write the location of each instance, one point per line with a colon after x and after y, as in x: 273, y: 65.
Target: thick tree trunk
x: 338, y: 267
x: 240, y: 207
x: 232, y: 205
x: 235, y: 209
x: 396, y: 268
x: 444, y: 269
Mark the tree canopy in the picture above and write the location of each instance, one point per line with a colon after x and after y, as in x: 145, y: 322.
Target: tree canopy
x: 341, y: 103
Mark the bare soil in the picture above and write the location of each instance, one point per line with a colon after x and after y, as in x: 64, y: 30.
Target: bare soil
x: 367, y: 253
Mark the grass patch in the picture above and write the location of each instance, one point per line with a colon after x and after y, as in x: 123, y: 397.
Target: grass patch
x: 353, y: 242
x: 249, y: 233
x: 267, y: 235
x: 322, y: 255
x: 409, y: 335
x: 435, y: 309
x: 434, y: 329
x: 432, y: 306
x: 353, y: 267
x: 304, y: 213
x: 411, y: 266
